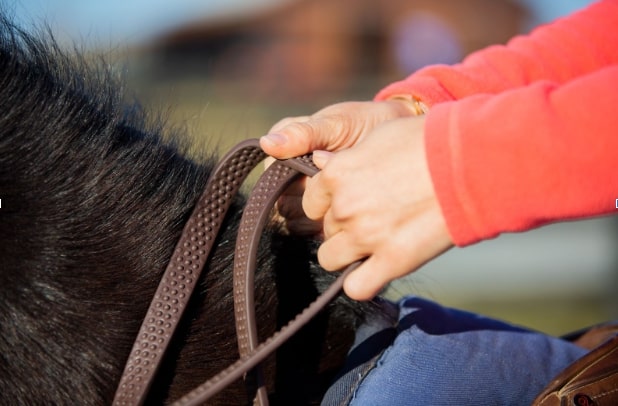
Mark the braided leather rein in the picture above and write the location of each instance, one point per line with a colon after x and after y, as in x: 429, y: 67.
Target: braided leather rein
x: 185, y: 266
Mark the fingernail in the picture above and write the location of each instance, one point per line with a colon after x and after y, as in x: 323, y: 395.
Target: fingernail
x: 320, y: 157
x: 275, y: 139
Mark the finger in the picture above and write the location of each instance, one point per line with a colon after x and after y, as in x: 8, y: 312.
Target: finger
x: 316, y: 199
x: 366, y: 281
x: 402, y: 254
x: 333, y: 128
x: 299, y: 138
x: 370, y: 278
x: 289, y: 204
x: 321, y: 158
x: 287, y: 121
x: 330, y: 225
x: 339, y: 251
x: 277, y: 144
x: 329, y: 129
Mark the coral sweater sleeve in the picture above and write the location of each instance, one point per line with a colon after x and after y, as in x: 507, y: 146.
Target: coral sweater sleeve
x: 527, y: 133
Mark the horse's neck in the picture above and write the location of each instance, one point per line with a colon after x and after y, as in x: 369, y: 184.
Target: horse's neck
x: 92, y: 205
x: 90, y: 215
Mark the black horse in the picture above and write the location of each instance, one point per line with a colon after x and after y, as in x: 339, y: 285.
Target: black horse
x: 92, y: 203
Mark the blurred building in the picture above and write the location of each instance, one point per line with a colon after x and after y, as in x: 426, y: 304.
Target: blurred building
x: 306, y: 49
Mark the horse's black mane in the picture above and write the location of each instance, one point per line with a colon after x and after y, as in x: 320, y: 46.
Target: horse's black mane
x: 87, y: 189
x: 92, y: 202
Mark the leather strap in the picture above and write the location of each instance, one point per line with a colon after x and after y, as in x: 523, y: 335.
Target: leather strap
x: 255, y: 216
x: 214, y: 385
x: 182, y: 272
x: 184, y: 269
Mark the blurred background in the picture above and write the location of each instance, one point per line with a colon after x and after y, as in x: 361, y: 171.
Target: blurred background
x: 226, y: 70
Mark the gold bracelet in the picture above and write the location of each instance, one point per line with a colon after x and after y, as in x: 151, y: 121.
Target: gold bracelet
x: 418, y: 107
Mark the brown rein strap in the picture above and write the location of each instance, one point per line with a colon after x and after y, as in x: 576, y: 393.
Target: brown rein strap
x: 255, y: 216
x: 187, y: 262
x: 245, y: 364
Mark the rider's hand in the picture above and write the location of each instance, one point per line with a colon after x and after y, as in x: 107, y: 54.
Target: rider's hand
x: 333, y: 128
x: 376, y: 200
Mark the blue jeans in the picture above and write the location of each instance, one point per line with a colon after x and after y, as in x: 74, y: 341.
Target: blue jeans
x: 428, y: 354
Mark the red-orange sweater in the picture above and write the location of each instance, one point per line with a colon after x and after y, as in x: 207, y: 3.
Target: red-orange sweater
x: 527, y: 133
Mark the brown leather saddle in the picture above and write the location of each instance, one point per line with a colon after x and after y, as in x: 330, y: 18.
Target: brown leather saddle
x: 593, y: 380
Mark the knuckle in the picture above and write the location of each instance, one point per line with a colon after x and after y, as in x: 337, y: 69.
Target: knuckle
x: 311, y: 207
x: 340, y: 210
x: 339, y: 124
x: 295, y: 127
x: 303, y: 131
x: 287, y: 121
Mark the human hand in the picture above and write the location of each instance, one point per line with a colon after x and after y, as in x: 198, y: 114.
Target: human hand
x: 377, y: 202
x: 336, y: 127
x: 397, y: 229
x: 333, y: 128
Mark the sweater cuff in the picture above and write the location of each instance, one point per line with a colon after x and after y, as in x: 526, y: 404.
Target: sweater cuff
x: 525, y: 158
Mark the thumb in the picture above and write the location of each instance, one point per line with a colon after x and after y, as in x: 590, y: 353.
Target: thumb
x: 301, y: 137
x: 366, y: 281
x: 333, y: 128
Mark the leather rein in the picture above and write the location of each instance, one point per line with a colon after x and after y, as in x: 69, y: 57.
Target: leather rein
x: 183, y: 271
